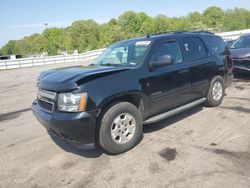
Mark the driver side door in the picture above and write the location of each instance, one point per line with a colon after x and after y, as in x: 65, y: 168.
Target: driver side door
x: 169, y: 85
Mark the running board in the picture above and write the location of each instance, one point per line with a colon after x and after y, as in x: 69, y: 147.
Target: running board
x: 174, y: 111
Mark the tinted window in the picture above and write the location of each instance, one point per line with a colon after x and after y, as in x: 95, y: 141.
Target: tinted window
x: 172, y: 49
x: 194, y: 48
x: 216, y: 44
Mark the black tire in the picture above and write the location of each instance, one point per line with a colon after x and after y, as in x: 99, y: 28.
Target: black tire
x: 211, y: 102
x: 104, y: 136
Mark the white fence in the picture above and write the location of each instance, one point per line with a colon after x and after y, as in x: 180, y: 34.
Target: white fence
x: 233, y: 35
x: 38, y: 61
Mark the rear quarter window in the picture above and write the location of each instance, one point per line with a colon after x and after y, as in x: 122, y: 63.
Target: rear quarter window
x: 216, y: 44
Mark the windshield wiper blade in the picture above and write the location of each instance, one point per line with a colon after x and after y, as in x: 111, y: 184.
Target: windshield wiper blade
x: 109, y: 64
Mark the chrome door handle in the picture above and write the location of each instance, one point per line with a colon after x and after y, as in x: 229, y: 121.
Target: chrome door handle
x: 183, y: 71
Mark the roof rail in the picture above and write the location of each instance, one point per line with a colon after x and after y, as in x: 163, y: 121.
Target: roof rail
x: 167, y: 32
x: 179, y: 32
x: 202, y: 31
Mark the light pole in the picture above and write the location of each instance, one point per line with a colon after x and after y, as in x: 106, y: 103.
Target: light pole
x: 47, y: 37
x: 46, y: 25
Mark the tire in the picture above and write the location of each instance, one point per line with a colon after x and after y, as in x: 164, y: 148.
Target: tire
x: 120, y: 128
x: 216, y: 92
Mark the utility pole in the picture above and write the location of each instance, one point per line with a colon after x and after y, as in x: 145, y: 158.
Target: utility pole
x: 46, y: 25
x: 244, y: 26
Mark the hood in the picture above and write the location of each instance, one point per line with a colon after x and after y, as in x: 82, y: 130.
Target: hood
x: 240, y: 53
x: 68, y: 78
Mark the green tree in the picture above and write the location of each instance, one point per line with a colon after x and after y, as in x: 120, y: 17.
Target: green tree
x: 196, y: 20
x: 236, y: 19
x: 65, y: 41
x: 213, y: 17
x: 135, y: 24
x: 110, y: 33
x: 162, y: 24
x: 53, y: 39
x: 9, y: 48
x: 84, y: 35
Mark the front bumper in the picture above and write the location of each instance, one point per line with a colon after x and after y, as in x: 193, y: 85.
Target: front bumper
x: 241, y: 69
x: 242, y: 65
x: 76, y: 128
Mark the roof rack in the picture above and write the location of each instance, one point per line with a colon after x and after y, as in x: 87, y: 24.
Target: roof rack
x: 180, y: 32
x: 167, y: 32
x: 202, y: 31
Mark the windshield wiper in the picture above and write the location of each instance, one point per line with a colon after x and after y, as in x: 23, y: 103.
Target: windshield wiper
x: 109, y: 64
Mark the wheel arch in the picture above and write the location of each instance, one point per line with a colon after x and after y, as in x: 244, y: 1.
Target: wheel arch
x: 135, y: 98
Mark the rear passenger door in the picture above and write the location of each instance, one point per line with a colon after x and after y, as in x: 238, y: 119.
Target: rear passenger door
x: 201, y: 65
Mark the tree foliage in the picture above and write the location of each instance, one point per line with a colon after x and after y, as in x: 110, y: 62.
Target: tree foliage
x: 84, y: 35
x: 213, y: 17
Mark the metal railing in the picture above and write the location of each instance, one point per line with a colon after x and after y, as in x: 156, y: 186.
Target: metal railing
x: 38, y: 61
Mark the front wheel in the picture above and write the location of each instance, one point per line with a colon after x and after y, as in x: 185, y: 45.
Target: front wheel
x: 216, y: 92
x: 120, y: 128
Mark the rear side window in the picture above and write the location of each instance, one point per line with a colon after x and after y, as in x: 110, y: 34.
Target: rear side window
x: 172, y: 49
x: 216, y: 44
x: 194, y: 48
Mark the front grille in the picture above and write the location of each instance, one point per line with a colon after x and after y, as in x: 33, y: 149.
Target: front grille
x: 46, y: 100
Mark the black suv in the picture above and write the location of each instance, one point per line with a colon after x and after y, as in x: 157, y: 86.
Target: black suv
x: 134, y: 82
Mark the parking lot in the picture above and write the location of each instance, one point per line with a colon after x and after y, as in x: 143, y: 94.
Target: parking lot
x: 202, y: 147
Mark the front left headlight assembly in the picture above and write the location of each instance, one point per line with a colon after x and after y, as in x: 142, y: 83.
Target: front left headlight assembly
x: 69, y: 102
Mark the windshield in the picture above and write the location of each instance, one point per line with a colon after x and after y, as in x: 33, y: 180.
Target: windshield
x: 242, y: 42
x: 127, y: 54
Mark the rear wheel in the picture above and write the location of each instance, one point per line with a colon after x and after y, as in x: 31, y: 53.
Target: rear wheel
x: 120, y: 128
x: 216, y: 92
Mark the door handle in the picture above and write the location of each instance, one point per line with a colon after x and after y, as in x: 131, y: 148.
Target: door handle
x: 183, y: 71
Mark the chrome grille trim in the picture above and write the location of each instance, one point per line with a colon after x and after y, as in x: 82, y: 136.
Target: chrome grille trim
x: 47, y: 94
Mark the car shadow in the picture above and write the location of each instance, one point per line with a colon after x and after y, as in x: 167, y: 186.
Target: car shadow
x: 12, y: 115
x: 148, y: 128
x: 88, y: 153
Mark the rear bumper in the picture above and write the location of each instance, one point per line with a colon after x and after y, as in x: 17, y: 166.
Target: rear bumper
x: 76, y: 128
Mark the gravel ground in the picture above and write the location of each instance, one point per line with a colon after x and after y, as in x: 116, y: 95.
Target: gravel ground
x: 202, y: 147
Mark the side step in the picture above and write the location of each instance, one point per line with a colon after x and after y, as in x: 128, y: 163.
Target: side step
x: 174, y: 111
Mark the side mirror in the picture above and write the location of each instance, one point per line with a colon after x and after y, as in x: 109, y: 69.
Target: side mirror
x: 162, y: 61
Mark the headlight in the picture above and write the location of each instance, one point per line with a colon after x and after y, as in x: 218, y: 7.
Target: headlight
x: 69, y: 102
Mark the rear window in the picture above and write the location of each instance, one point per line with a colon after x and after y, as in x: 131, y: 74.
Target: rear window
x: 216, y: 44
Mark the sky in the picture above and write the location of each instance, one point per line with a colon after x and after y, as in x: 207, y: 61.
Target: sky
x: 19, y: 18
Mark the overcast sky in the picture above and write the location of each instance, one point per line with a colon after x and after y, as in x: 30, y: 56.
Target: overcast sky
x: 19, y: 18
